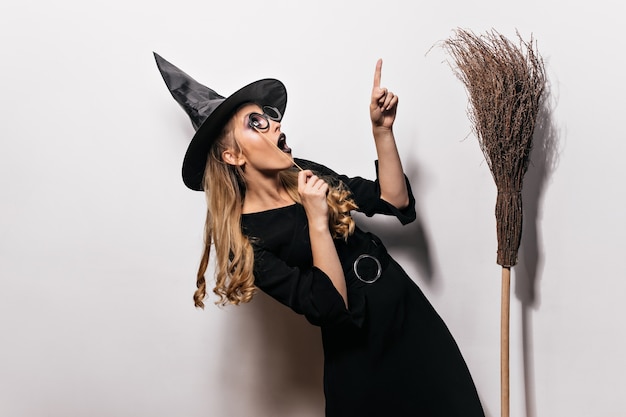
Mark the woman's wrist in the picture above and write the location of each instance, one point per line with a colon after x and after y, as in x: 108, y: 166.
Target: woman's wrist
x: 382, y: 133
x: 319, y: 226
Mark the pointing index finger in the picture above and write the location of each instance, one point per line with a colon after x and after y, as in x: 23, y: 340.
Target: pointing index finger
x: 379, y: 66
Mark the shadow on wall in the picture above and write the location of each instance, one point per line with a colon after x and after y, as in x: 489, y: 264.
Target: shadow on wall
x: 411, y: 241
x: 543, y: 162
x: 272, y: 361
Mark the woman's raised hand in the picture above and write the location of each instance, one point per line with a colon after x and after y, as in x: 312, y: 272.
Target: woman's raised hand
x: 313, y: 190
x: 383, y: 104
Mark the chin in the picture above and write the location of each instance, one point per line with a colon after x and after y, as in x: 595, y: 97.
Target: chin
x: 288, y: 163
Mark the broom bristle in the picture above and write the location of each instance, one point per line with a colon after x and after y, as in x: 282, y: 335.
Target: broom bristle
x: 504, y: 83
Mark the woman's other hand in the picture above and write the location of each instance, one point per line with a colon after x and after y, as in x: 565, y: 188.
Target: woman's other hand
x: 313, y: 190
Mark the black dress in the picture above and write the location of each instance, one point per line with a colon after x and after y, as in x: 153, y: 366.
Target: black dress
x: 389, y: 353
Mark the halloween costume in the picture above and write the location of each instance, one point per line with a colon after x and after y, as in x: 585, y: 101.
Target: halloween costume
x: 390, y: 353
x: 387, y: 354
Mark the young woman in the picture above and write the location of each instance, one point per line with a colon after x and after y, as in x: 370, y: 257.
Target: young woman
x: 283, y: 225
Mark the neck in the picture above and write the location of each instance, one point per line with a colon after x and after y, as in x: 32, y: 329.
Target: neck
x: 265, y: 192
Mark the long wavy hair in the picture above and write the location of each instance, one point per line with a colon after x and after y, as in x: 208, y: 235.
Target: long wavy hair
x: 225, y: 189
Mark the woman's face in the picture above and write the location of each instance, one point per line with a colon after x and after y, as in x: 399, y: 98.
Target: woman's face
x: 263, y: 146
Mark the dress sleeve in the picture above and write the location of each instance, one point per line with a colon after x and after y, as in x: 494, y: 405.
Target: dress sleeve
x: 307, y: 291
x: 366, y: 193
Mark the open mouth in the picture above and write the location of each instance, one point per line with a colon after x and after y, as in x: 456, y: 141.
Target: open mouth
x: 282, y: 143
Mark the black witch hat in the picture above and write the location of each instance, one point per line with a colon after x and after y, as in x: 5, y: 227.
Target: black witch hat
x: 209, y: 112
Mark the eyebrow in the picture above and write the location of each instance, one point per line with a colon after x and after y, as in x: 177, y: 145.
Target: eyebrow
x: 247, y: 115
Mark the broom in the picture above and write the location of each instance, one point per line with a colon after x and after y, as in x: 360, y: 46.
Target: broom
x: 504, y: 83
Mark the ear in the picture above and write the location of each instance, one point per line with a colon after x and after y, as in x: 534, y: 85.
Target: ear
x: 232, y: 158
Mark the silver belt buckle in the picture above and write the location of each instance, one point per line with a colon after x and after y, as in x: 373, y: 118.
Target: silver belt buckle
x: 378, y: 272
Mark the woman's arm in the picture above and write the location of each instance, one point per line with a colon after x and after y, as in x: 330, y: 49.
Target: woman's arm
x: 313, y: 191
x: 383, y: 106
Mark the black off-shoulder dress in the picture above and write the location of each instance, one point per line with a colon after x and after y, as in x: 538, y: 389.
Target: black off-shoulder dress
x: 389, y: 353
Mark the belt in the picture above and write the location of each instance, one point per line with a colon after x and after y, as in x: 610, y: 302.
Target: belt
x: 369, y: 265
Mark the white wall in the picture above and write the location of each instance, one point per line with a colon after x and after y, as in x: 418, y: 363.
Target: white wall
x: 99, y: 239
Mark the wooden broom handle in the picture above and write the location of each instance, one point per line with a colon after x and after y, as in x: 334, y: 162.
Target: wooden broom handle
x: 504, y: 341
